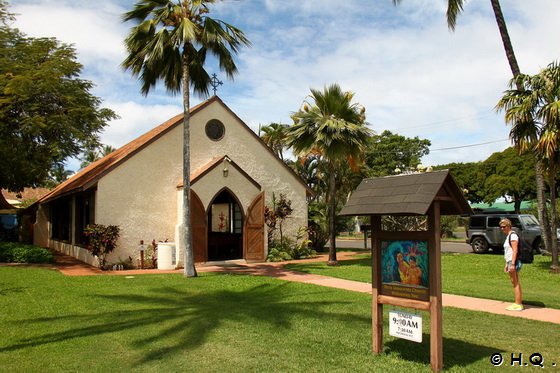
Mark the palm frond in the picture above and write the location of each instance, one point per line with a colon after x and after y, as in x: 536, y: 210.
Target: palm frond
x: 454, y: 7
x: 169, y: 34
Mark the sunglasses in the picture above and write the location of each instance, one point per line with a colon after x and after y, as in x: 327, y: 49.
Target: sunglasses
x: 502, y: 226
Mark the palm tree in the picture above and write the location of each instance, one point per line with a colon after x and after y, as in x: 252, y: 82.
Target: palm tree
x: 333, y: 128
x: 534, y: 113
x: 274, y: 136
x: 105, y: 150
x: 170, y: 42
x: 89, y: 156
x: 454, y: 8
x: 94, y: 154
x: 57, y: 175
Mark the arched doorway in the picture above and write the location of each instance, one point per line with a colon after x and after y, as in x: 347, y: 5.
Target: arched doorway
x: 225, y: 228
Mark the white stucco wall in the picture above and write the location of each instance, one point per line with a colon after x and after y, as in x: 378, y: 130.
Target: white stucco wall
x: 41, y: 231
x: 207, y: 187
x: 139, y: 195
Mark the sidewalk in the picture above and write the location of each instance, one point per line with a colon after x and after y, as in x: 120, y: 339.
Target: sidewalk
x: 73, y: 267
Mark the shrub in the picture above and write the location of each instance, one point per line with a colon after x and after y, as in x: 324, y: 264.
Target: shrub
x: 287, y: 249
x: 318, y: 226
x: 302, y: 250
x: 448, y: 226
x: 13, y: 252
x: 102, y: 240
x: 277, y: 255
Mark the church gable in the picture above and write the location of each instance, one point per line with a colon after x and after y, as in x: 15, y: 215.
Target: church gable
x: 217, y: 131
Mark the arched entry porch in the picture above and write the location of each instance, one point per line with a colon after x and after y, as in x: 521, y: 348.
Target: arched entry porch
x: 245, y: 240
x: 225, y: 227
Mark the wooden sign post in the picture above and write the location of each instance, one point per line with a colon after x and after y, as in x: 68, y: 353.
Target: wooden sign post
x: 406, y: 265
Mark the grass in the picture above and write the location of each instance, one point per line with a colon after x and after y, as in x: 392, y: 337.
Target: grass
x: 227, y: 323
x: 480, y: 276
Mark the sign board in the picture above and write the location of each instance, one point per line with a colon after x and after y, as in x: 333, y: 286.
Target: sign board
x: 405, y: 271
x: 406, y: 326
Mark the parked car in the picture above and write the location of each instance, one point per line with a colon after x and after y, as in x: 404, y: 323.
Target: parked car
x: 484, y: 233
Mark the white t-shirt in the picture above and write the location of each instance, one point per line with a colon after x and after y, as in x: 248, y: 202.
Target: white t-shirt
x: 508, y: 251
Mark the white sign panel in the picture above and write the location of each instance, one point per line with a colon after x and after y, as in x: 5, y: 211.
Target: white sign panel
x: 406, y: 326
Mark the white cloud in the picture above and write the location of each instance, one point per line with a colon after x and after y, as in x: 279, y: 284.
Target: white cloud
x: 412, y: 74
x: 93, y: 27
x: 135, y: 120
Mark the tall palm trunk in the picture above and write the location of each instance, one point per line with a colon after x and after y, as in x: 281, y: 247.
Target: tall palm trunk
x: 541, y: 203
x: 553, y: 213
x: 500, y: 20
x: 332, y: 216
x: 540, y: 183
x: 190, y: 270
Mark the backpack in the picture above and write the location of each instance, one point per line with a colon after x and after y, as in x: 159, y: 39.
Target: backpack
x: 524, y: 249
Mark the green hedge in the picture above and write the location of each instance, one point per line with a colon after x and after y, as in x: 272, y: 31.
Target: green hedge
x: 13, y: 252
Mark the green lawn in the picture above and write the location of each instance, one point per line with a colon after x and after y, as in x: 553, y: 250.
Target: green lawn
x: 228, y: 323
x: 480, y: 276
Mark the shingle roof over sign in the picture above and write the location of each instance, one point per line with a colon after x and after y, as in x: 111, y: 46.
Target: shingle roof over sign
x: 410, y: 194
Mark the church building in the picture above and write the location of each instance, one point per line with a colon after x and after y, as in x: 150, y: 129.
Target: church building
x: 139, y: 188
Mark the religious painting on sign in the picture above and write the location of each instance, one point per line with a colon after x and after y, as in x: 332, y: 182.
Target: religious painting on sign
x: 404, y: 269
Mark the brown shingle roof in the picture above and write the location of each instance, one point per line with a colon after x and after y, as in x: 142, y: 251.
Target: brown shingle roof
x: 410, y: 194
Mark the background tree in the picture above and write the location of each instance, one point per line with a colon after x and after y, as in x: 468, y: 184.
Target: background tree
x: 469, y: 177
x: 94, y: 154
x: 333, y: 128
x: 387, y: 151
x: 47, y: 113
x: 57, y: 175
x: 170, y: 42
x: 510, y: 176
x: 274, y: 136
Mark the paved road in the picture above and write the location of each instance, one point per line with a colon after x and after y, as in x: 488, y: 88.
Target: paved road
x: 446, y: 246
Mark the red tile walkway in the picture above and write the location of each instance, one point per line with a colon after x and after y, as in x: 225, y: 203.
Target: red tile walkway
x: 73, y: 267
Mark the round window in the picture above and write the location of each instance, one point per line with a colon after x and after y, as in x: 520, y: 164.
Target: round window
x: 215, y: 129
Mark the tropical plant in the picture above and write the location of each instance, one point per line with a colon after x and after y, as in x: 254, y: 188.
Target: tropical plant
x: 333, y: 128
x: 312, y: 171
x: 101, y: 241
x: 170, y: 41
x: 94, y: 154
x: 318, y: 225
x: 274, y: 136
x: 288, y: 249
x: 534, y: 113
x: 274, y: 217
x: 57, y: 175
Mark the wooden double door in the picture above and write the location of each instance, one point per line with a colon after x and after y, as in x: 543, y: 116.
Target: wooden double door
x: 224, y: 232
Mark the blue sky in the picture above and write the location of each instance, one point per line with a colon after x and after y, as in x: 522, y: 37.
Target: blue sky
x: 414, y: 76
